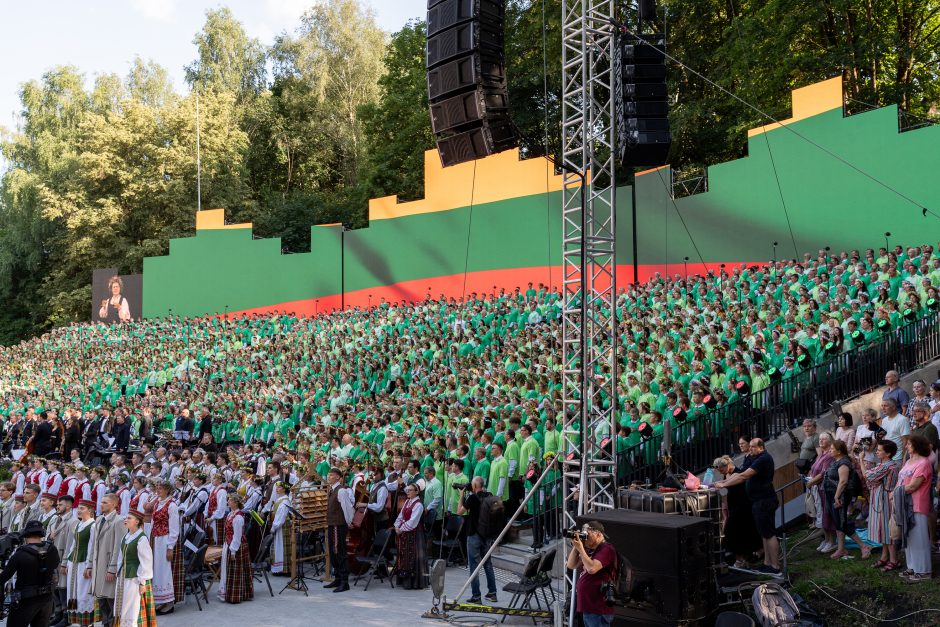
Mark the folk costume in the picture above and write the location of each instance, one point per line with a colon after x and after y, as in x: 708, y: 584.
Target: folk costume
x: 283, y: 540
x: 80, y: 609
x: 164, y: 536
x: 109, y: 531
x: 135, y: 565
x: 412, y: 555
x: 236, y: 583
x: 215, y: 513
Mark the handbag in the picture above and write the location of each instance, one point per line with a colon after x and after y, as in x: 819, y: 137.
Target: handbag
x: 894, y: 529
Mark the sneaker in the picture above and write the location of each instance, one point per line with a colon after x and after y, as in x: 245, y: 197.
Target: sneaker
x: 823, y: 547
x: 907, y: 572
x: 829, y: 548
x: 917, y: 578
x: 764, y: 569
x: 475, y: 601
x: 491, y: 597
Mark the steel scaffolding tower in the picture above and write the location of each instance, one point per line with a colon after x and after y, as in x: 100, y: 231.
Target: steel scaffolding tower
x: 589, y: 264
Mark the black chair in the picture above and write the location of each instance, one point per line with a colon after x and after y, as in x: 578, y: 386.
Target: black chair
x: 377, y: 559
x: 194, y: 571
x: 544, y: 576
x: 259, y: 568
x: 451, y: 538
x: 523, y: 591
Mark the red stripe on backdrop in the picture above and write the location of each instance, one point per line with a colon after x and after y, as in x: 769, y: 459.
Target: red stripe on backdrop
x: 460, y: 285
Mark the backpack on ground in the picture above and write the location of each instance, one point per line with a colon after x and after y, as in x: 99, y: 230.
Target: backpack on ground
x: 492, y: 515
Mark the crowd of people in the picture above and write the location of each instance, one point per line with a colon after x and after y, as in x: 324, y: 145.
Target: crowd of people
x: 216, y: 423
x: 873, y: 483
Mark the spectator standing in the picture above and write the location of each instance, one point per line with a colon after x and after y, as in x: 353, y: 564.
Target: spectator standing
x: 871, y: 425
x: 845, y: 430
x: 882, y: 477
x: 921, y: 395
x: 895, y: 392
x: 895, y: 424
x: 935, y: 404
x: 809, y: 449
x: 915, y: 477
x: 816, y: 476
x: 920, y: 413
x: 838, y: 486
x: 740, y: 532
x: 758, y: 480
x: 596, y: 560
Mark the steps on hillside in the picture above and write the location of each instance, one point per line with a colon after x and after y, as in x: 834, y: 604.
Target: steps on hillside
x: 512, y: 556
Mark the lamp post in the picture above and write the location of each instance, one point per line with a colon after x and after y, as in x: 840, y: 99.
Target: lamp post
x: 887, y: 245
x: 775, y: 254
x: 685, y: 263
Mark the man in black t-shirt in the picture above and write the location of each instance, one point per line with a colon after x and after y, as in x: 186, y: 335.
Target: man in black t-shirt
x: 759, y: 482
x: 477, y: 546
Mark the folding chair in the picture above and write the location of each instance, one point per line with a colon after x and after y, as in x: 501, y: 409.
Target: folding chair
x: 544, y: 576
x: 451, y: 540
x: 377, y: 558
x: 259, y: 568
x: 193, y: 576
x: 523, y: 591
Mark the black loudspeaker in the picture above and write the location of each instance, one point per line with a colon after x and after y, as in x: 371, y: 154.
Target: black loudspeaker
x: 642, y: 107
x: 467, y: 79
x: 669, y: 558
x: 486, y: 139
x: 646, y: 10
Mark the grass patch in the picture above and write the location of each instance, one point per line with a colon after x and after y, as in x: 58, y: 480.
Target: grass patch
x: 855, y: 582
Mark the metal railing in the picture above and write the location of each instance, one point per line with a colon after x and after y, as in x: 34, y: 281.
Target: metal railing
x: 770, y: 412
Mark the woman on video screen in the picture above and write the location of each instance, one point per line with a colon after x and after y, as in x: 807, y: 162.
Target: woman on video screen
x: 115, y: 308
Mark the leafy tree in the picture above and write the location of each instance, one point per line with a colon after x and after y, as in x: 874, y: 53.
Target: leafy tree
x: 397, y: 127
x: 229, y: 60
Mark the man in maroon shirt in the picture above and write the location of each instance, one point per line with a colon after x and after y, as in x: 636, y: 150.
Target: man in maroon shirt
x: 596, y: 559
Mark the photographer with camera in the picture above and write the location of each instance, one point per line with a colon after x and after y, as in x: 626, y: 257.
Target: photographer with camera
x: 597, y: 559
x: 34, y: 563
x: 482, y: 528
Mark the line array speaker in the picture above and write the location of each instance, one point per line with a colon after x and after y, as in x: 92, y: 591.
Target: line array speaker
x: 642, y: 107
x: 466, y: 71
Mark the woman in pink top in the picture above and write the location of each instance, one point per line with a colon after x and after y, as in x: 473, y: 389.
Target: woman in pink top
x: 916, y: 476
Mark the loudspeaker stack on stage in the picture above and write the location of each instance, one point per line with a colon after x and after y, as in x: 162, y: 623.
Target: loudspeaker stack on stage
x: 467, y: 79
x: 670, y: 560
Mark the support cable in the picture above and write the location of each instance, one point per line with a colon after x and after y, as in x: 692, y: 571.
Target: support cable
x: 789, y: 127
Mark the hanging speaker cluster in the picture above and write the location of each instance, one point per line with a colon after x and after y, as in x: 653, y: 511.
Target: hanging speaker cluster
x: 467, y: 79
x: 643, y: 135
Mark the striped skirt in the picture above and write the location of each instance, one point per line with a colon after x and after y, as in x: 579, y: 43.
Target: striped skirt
x: 133, y: 609
x: 236, y: 583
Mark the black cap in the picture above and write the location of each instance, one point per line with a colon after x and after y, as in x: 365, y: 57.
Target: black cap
x: 596, y: 526
x: 34, y: 528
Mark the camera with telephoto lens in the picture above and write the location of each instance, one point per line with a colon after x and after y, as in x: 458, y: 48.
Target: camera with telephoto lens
x: 574, y: 532
x: 460, y: 486
x: 8, y: 544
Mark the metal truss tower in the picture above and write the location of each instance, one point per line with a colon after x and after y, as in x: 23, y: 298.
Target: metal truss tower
x: 589, y: 264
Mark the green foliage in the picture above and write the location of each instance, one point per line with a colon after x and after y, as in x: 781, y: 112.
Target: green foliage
x: 105, y: 176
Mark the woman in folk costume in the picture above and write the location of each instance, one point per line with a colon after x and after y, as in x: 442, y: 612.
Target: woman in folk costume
x: 80, y: 609
x: 133, y: 601
x: 215, y: 509
x: 412, y: 555
x: 236, y: 581
x: 167, y: 553
x: 141, y: 500
x: 283, y: 540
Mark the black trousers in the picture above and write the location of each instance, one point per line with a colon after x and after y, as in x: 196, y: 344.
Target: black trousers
x: 338, y: 552
x: 34, y: 612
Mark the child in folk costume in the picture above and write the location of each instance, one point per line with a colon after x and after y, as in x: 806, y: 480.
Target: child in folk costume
x: 167, y: 552
x: 80, y: 608
x: 216, y: 509
x: 236, y: 581
x: 133, y: 601
x: 98, y: 488
x: 283, y: 541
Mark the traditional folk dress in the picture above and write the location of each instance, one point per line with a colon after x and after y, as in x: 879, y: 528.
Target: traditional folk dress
x: 215, y: 514
x: 135, y: 569
x: 80, y: 609
x: 236, y: 583
x: 165, y: 534
x: 283, y: 540
x: 412, y: 555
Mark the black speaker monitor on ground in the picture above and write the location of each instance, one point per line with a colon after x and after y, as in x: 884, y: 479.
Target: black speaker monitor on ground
x: 670, y: 561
